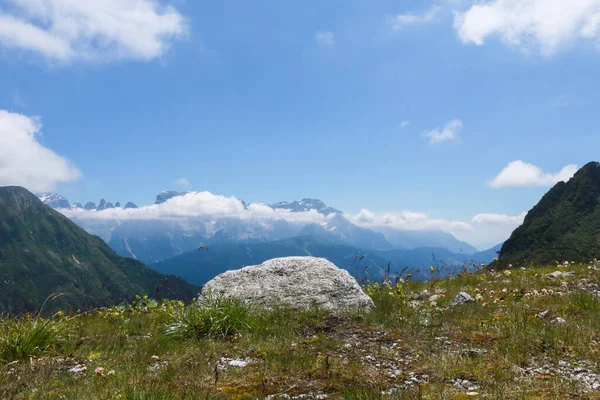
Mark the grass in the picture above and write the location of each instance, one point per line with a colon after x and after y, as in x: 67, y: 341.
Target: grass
x: 412, y: 346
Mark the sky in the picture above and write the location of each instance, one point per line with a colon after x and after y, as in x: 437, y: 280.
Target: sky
x: 451, y: 113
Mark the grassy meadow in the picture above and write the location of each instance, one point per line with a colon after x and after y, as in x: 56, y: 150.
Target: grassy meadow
x: 526, y: 336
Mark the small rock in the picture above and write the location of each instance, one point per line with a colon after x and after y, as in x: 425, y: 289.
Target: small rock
x: 559, y: 274
x: 558, y: 321
x: 543, y: 314
x: 461, y: 298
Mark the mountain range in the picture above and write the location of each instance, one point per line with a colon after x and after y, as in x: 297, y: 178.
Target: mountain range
x: 199, y: 266
x: 42, y: 253
x: 156, y: 240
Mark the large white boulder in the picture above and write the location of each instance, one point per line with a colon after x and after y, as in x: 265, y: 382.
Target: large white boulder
x: 295, y: 282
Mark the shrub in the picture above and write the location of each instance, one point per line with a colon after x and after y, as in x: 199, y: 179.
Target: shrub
x: 217, y: 317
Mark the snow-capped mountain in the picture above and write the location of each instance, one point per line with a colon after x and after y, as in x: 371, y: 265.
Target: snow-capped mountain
x: 156, y: 240
x: 167, y: 195
x: 54, y: 200
x: 306, y: 205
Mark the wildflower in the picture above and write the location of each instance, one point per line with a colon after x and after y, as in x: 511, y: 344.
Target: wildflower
x: 507, y: 273
x: 495, y: 258
x: 155, y: 358
x: 180, y: 304
x: 504, y: 290
x: 484, y: 305
x: 509, y: 266
x: 111, y: 372
x: 433, y: 304
x: 99, y: 371
x: 432, y: 268
x: 479, y: 298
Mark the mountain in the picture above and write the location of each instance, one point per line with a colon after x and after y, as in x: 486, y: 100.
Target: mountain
x: 563, y: 226
x: 198, y: 267
x: 339, y: 229
x: 306, y: 205
x: 42, y: 252
x: 130, y: 205
x: 417, y: 239
x: 166, y: 195
x: 152, y: 241
x: 54, y: 200
x: 489, y: 254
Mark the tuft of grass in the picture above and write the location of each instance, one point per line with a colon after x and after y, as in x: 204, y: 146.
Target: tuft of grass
x: 29, y: 336
x: 217, y: 317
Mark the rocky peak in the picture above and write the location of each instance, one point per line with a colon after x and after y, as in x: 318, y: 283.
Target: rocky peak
x: 306, y: 204
x: 54, y: 200
x: 167, y: 195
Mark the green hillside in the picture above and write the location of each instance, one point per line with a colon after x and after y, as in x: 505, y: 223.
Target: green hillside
x: 42, y: 253
x: 563, y: 226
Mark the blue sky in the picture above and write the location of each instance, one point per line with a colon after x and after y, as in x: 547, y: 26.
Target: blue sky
x: 337, y: 100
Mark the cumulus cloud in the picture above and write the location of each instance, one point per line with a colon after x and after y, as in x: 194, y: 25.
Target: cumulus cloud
x: 24, y: 161
x: 499, y: 219
x: 405, y: 221
x: 521, y: 174
x: 325, y: 38
x: 483, y: 231
x: 542, y: 25
x: 491, y: 229
x: 196, y: 205
x: 448, y: 132
x: 65, y: 31
x: 404, y: 124
x: 401, y: 21
x: 182, y: 182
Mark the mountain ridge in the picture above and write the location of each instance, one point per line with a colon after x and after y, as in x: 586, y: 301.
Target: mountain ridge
x: 43, y: 252
x: 563, y: 226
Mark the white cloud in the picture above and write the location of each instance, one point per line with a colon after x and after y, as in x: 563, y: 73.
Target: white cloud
x: 405, y: 221
x: 519, y: 173
x: 404, y: 124
x: 199, y: 204
x: 448, y: 132
x: 24, y: 161
x: 401, y: 21
x: 499, y: 219
x: 182, y: 182
x: 325, y: 38
x: 483, y: 231
x: 543, y: 25
x: 491, y: 229
x: 65, y: 31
